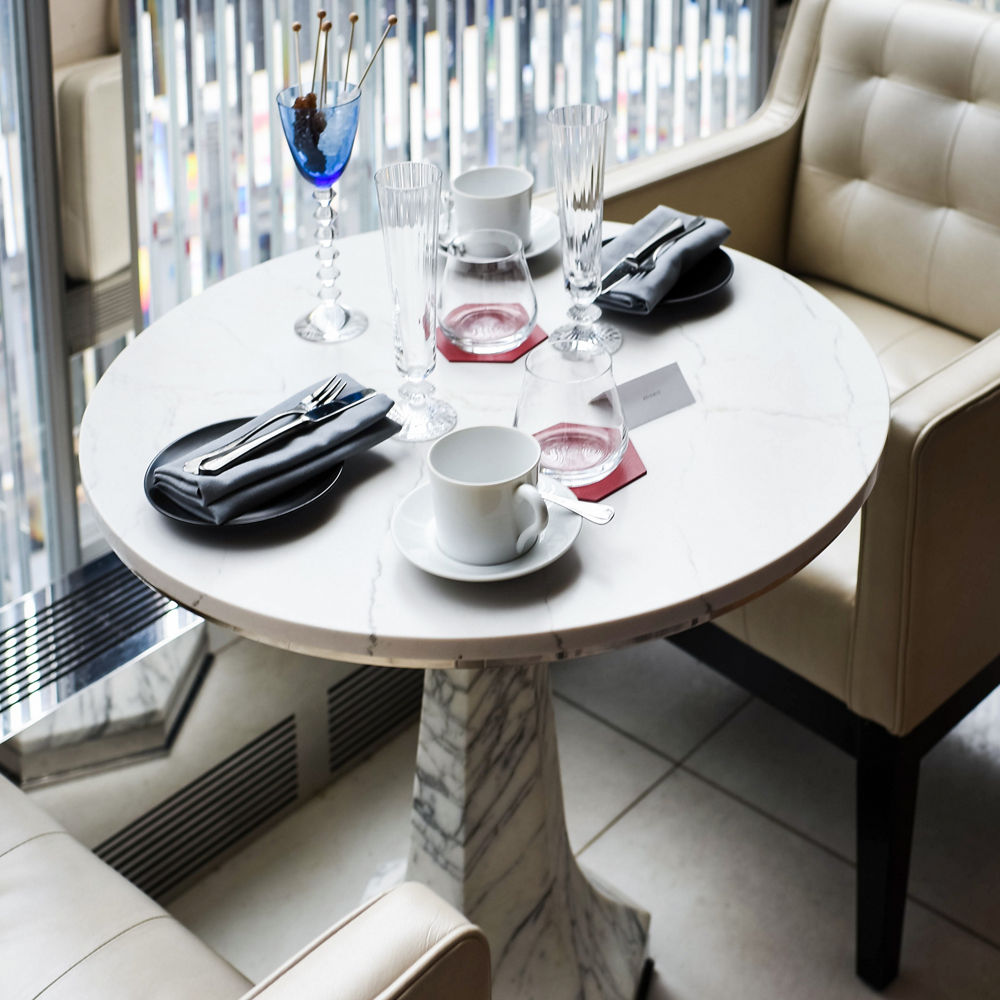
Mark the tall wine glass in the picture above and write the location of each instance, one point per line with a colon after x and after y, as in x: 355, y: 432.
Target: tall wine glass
x: 409, y: 202
x: 320, y: 136
x: 579, y: 137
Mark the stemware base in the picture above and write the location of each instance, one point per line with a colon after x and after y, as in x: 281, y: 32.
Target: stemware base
x: 601, y: 335
x: 423, y: 416
x: 326, y: 325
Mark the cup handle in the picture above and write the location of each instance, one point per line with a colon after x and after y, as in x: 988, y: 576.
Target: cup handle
x: 527, y: 498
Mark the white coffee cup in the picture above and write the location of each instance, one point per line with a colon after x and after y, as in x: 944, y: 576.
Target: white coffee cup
x: 487, y: 508
x: 493, y: 198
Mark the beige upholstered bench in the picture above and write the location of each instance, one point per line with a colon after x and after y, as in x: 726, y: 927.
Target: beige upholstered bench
x: 90, y: 128
x: 71, y: 928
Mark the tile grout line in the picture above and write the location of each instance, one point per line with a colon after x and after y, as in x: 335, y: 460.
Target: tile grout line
x: 674, y: 765
x: 639, y: 798
x: 940, y: 914
x: 715, y: 730
x: 612, y: 726
x: 760, y: 811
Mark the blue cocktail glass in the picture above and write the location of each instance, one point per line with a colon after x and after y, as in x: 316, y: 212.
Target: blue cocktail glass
x: 321, y: 137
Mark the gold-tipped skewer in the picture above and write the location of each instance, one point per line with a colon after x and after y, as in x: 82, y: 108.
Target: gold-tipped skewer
x: 391, y: 22
x: 326, y: 42
x: 321, y: 14
x: 353, y: 18
x: 296, y: 28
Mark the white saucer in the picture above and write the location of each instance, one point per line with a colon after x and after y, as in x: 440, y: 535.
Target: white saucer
x: 413, y: 533
x: 544, y: 232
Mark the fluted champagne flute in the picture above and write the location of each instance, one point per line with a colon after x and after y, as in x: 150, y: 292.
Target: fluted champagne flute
x: 409, y: 201
x: 579, y: 139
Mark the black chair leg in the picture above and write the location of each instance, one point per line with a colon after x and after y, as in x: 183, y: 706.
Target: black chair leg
x: 887, y: 776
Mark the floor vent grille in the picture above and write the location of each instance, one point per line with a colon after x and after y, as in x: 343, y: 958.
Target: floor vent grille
x: 49, y: 636
x: 168, y: 844
x: 367, y: 707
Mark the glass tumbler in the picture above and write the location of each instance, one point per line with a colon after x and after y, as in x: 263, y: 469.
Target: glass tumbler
x: 409, y: 201
x: 488, y: 302
x: 569, y: 403
x: 579, y: 139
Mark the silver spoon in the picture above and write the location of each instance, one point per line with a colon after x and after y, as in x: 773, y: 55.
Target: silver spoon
x: 599, y: 513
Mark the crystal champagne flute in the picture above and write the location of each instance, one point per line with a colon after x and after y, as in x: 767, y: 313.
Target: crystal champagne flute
x: 579, y: 138
x: 409, y: 201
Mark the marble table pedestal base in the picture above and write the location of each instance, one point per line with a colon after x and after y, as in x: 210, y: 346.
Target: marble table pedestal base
x: 489, y: 835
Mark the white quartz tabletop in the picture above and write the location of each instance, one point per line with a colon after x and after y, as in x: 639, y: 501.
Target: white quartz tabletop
x: 743, y: 487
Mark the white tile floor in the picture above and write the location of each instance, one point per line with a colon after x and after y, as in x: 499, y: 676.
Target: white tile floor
x: 731, y: 824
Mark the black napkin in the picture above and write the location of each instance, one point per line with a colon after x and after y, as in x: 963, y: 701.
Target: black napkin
x: 277, y: 468
x: 641, y: 293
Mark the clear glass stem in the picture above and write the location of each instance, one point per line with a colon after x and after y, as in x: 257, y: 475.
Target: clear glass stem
x: 326, y: 252
x: 329, y: 321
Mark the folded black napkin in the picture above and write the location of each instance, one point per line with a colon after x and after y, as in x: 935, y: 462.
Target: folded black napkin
x: 641, y: 293
x: 262, y: 476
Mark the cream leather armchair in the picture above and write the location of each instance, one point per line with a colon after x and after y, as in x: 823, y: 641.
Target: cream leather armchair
x: 871, y: 172
x: 73, y: 929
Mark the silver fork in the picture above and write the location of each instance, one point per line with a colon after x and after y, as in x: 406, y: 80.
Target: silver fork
x: 325, y: 393
x: 646, y: 266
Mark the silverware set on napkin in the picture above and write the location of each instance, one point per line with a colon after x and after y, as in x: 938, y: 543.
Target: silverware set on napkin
x: 643, y: 258
x: 321, y: 405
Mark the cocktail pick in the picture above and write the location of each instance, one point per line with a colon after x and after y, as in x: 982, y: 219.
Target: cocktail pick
x: 326, y: 39
x: 296, y: 28
x: 353, y: 18
x: 321, y: 14
x: 391, y: 22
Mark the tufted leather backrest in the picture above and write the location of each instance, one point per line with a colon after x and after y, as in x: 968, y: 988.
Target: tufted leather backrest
x: 898, y: 187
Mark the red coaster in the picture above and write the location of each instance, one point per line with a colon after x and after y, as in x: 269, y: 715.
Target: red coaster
x: 630, y: 468
x: 452, y: 352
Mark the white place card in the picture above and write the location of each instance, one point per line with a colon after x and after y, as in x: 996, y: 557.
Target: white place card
x: 654, y: 394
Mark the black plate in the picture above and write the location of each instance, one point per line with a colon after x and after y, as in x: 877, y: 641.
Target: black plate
x: 707, y: 276
x: 704, y: 278
x: 294, y: 499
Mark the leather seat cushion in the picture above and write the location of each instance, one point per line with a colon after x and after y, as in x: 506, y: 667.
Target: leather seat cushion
x: 71, y: 927
x: 806, y: 622
x: 909, y: 348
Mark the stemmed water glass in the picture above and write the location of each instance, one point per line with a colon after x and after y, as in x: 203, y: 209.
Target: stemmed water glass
x: 409, y: 201
x: 320, y: 135
x: 579, y: 137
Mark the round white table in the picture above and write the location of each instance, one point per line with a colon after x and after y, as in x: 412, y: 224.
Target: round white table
x: 743, y: 488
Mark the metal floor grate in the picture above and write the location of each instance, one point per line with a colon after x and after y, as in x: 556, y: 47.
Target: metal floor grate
x: 367, y: 707
x: 67, y: 627
x: 169, y: 843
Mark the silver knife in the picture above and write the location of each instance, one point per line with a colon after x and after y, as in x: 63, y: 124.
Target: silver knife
x: 317, y: 415
x: 649, y: 262
x: 628, y: 264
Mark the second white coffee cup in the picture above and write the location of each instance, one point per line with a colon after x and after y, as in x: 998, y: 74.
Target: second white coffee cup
x: 487, y: 508
x: 493, y: 198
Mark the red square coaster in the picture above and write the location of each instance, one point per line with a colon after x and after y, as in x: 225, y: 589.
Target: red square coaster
x: 453, y: 352
x: 630, y: 468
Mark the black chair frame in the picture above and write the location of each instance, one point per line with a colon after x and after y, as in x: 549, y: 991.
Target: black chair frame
x: 888, y: 770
